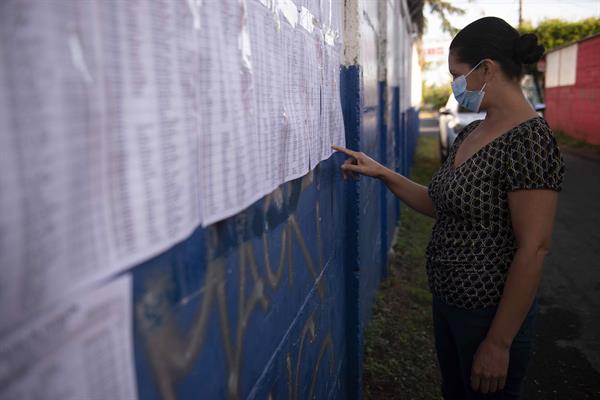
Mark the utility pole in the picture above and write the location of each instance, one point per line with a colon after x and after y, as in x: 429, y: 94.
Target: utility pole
x: 520, y: 13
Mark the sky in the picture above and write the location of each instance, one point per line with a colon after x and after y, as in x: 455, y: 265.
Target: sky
x: 533, y: 11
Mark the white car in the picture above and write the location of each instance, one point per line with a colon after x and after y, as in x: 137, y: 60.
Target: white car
x: 454, y: 117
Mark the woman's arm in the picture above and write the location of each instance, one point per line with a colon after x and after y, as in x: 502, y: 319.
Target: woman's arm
x: 411, y: 193
x: 532, y: 214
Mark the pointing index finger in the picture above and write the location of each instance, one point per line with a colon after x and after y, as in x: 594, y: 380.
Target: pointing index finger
x: 344, y: 150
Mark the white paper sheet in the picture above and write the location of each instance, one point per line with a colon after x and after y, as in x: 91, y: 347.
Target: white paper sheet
x: 127, y: 124
x: 151, y: 124
x: 78, y: 350
x: 53, y: 234
x: 100, y: 143
x: 267, y: 78
x: 295, y: 150
x: 231, y: 162
x: 332, y: 123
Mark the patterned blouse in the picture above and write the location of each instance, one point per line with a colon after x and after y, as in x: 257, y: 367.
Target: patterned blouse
x: 472, y: 242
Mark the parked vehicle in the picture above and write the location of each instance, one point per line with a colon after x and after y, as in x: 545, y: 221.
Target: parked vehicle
x: 454, y: 117
x: 532, y: 93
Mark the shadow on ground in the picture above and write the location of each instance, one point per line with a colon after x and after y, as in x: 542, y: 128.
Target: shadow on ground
x: 558, y: 370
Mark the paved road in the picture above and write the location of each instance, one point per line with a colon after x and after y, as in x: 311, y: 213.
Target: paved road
x: 566, y: 356
x: 566, y: 361
x: 429, y: 127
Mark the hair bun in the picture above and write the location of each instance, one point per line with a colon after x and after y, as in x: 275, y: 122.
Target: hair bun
x: 527, y: 50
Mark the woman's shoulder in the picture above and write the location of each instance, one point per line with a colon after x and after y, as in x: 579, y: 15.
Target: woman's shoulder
x: 534, y: 137
x: 534, y: 159
x: 534, y: 130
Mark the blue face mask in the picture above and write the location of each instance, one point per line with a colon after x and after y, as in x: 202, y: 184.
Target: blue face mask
x: 469, y: 99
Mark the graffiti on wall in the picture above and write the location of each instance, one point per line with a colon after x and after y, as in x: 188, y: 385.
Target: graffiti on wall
x: 173, y: 351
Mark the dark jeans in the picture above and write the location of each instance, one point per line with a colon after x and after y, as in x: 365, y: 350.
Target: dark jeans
x: 458, y: 333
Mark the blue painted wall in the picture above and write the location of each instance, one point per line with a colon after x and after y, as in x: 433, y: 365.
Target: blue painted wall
x: 273, y: 302
x: 252, y: 306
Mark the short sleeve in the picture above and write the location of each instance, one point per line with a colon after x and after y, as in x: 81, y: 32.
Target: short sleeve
x: 534, y: 160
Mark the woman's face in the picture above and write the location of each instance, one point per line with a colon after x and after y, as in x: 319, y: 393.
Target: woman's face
x: 475, y: 80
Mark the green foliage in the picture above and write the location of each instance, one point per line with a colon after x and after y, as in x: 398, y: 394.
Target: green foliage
x: 442, y: 8
x: 435, y: 97
x: 553, y: 33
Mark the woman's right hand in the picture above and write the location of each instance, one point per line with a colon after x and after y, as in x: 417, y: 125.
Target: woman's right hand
x: 359, y: 163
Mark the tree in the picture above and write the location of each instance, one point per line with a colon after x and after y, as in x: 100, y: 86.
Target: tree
x: 440, y: 7
x: 553, y: 33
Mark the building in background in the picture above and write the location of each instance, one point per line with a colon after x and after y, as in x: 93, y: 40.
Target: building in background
x: 572, y: 89
x: 435, y: 57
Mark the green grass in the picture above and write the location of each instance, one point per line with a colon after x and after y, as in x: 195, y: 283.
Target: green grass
x: 399, y: 360
x: 566, y: 140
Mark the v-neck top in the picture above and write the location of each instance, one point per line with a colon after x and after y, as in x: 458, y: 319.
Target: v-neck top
x: 472, y: 242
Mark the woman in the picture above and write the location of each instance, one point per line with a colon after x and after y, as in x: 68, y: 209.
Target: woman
x: 494, y: 200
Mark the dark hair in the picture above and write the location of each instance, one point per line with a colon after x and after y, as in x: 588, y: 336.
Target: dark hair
x: 494, y: 38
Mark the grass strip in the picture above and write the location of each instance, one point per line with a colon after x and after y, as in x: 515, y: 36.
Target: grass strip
x: 399, y: 358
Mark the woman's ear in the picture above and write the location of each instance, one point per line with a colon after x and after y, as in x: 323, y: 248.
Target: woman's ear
x: 490, y: 68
